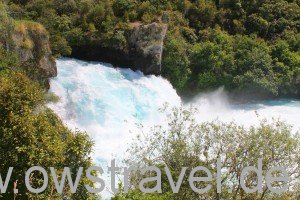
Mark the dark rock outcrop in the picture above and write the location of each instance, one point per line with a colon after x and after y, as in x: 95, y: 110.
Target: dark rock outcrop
x: 297, y: 83
x: 144, y: 50
x: 297, y: 80
x: 31, y: 43
x: 146, y: 44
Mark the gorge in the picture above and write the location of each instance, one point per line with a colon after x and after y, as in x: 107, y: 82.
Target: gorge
x: 108, y: 103
x: 233, y: 60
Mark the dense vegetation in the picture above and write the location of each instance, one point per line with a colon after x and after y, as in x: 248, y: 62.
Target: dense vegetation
x: 30, y: 133
x: 241, y: 44
x: 186, y: 143
x: 244, y: 45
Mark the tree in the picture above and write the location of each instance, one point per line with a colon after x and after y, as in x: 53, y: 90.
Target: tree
x: 287, y: 62
x: 202, y: 14
x: 218, y: 25
x: 122, y: 6
x: 32, y: 135
x: 254, y: 69
x: 176, y: 62
x: 6, y: 27
x: 212, y: 61
x: 185, y: 143
x: 274, y: 17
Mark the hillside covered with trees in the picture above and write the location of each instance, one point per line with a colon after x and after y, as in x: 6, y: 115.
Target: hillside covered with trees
x: 30, y: 133
x: 244, y: 45
x: 248, y: 46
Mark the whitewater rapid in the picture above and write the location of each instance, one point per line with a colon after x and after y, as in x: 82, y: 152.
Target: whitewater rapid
x: 108, y: 103
x: 215, y: 106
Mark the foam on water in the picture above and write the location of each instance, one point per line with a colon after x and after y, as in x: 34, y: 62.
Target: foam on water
x: 107, y: 103
x: 215, y: 106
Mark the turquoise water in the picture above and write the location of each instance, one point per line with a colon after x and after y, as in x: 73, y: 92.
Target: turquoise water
x: 215, y: 106
x: 269, y: 103
x: 108, y: 104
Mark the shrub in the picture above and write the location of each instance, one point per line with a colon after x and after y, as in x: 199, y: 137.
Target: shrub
x: 27, y: 44
x: 183, y: 142
x: 32, y: 135
x: 176, y: 62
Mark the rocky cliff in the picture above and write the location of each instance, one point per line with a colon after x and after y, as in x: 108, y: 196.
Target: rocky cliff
x: 144, y: 50
x: 146, y: 45
x: 297, y: 83
x: 31, y: 43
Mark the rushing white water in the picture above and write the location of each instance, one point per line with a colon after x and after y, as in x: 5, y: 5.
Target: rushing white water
x: 107, y: 103
x: 215, y: 106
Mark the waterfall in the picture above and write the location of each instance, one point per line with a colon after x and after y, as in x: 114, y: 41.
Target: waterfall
x: 107, y: 103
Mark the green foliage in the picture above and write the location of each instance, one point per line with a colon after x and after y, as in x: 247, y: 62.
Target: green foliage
x: 136, y: 195
x: 3, y: 22
x: 65, y: 7
x: 213, y: 59
x: 176, y: 62
x: 8, y: 60
x: 254, y: 66
x: 274, y: 17
x: 244, y: 45
x: 32, y: 135
x: 186, y: 143
x: 242, y: 63
x: 59, y: 46
x: 202, y: 14
x: 286, y: 58
x: 122, y: 7
x: 6, y: 26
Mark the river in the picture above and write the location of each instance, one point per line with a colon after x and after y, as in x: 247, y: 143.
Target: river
x: 108, y: 102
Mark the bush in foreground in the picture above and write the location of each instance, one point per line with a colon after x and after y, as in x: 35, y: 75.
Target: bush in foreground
x: 32, y: 135
x: 186, y: 143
